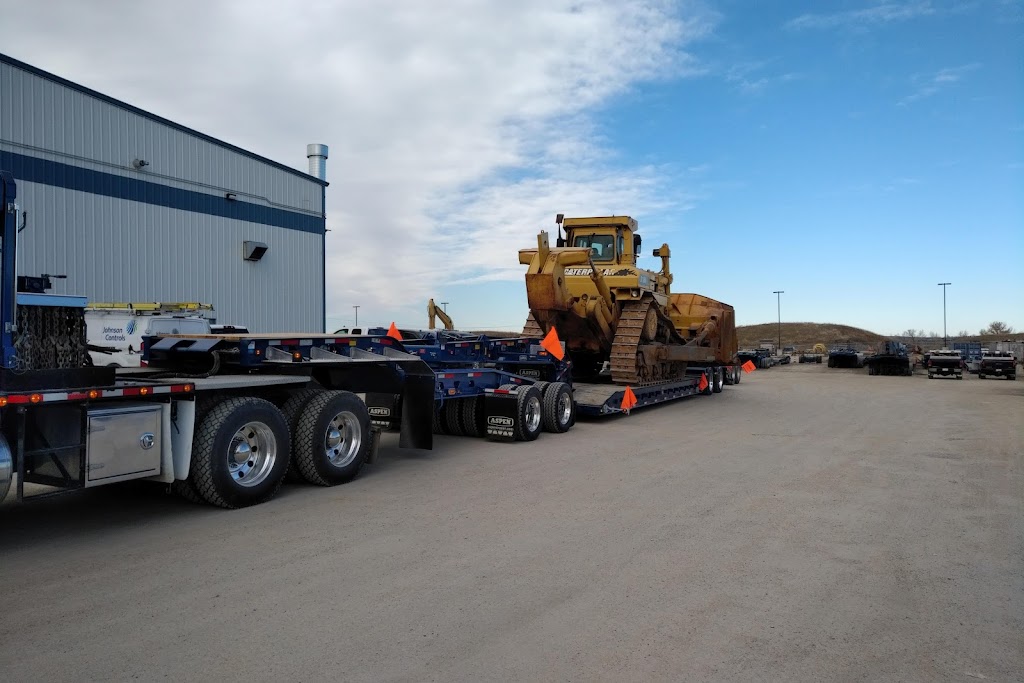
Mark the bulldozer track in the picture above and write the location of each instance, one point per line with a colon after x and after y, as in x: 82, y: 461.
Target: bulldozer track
x: 627, y: 364
x: 625, y: 361
x: 531, y: 328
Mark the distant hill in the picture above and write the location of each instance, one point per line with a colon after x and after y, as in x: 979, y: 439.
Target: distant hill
x: 805, y: 335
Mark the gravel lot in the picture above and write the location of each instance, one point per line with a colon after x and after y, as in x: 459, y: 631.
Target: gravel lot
x: 810, y: 524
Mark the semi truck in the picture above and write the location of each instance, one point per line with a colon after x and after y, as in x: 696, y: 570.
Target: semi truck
x: 220, y: 419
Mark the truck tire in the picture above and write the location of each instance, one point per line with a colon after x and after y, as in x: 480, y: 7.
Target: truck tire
x: 738, y: 371
x: 529, y: 413
x: 472, y: 422
x: 718, y: 382
x: 292, y: 409
x: 729, y: 376
x: 451, y: 416
x: 438, y: 425
x: 332, y: 438
x: 559, y: 408
x: 240, y: 452
x: 185, y: 489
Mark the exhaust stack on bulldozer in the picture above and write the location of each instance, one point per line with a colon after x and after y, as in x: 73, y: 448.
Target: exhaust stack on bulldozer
x: 606, y: 309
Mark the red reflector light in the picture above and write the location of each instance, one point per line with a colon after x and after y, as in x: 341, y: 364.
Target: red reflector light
x: 94, y: 393
x: 144, y: 391
x: 502, y: 391
x: 36, y: 398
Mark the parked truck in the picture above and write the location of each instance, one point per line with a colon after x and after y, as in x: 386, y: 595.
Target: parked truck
x: 998, y: 364
x: 219, y: 418
x: 890, y: 358
x: 115, y: 330
x: 944, y: 363
x: 608, y: 310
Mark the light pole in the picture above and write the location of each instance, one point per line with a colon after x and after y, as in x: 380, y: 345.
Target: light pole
x: 444, y: 306
x: 778, y: 295
x: 357, y: 316
x: 945, y: 342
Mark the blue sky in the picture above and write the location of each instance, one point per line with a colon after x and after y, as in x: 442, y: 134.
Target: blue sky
x: 853, y: 153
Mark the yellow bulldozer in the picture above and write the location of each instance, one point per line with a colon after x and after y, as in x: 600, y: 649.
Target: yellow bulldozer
x: 606, y: 309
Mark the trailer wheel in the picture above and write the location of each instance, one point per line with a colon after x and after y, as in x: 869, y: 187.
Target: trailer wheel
x: 240, y: 452
x: 451, y: 416
x: 292, y: 409
x: 332, y: 438
x: 438, y: 424
x: 472, y: 422
x: 737, y: 374
x: 718, y: 381
x: 729, y: 376
x: 529, y: 414
x: 559, y: 412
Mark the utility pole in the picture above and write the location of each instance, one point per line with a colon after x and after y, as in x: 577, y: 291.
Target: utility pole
x: 357, y: 316
x: 945, y: 340
x: 778, y: 296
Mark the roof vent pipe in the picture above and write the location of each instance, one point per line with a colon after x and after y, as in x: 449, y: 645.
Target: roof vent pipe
x: 317, y: 155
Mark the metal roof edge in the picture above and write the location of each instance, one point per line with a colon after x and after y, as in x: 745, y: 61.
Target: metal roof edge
x: 18, y: 64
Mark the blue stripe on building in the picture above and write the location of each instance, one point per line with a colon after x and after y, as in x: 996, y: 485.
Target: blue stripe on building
x: 34, y: 170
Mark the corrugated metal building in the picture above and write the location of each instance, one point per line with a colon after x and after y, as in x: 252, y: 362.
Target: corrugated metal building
x: 133, y: 207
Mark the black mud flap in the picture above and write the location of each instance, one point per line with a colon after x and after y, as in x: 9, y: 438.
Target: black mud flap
x: 500, y: 414
x: 417, y: 412
x: 385, y: 411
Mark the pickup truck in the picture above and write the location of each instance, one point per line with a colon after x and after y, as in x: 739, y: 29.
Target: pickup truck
x: 998, y: 365
x: 945, y: 363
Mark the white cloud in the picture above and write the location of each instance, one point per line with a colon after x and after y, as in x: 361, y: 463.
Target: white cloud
x: 455, y: 129
x: 930, y: 84
x: 884, y: 13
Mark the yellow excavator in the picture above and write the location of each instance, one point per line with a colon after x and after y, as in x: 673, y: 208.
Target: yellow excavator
x: 433, y: 312
x: 606, y: 309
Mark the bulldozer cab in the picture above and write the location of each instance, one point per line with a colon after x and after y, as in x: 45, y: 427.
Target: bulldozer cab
x: 612, y: 240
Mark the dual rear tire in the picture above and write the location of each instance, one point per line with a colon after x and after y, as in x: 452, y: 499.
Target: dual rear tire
x: 243, y: 446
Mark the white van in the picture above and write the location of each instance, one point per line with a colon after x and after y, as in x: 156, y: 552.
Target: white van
x: 119, y: 328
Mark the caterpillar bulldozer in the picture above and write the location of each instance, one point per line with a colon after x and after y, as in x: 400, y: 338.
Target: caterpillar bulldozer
x: 608, y: 310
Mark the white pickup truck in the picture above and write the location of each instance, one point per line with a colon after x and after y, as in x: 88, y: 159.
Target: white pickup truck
x: 120, y: 334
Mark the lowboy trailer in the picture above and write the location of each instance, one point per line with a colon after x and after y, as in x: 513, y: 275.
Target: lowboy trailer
x: 221, y: 419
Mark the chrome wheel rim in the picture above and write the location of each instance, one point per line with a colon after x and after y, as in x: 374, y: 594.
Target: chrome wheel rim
x: 342, y: 439
x: 532, y: 414
x: 564, y: 408
x: 252, y: 454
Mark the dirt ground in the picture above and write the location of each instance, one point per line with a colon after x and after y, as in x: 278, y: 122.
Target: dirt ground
x: 808, y: 525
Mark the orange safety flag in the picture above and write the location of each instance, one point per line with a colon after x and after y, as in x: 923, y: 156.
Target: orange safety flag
x: 748, y: 366
x: 552, y: 345
x: 628, y: 399
x: 703, y: 382
x: 394, y: 333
